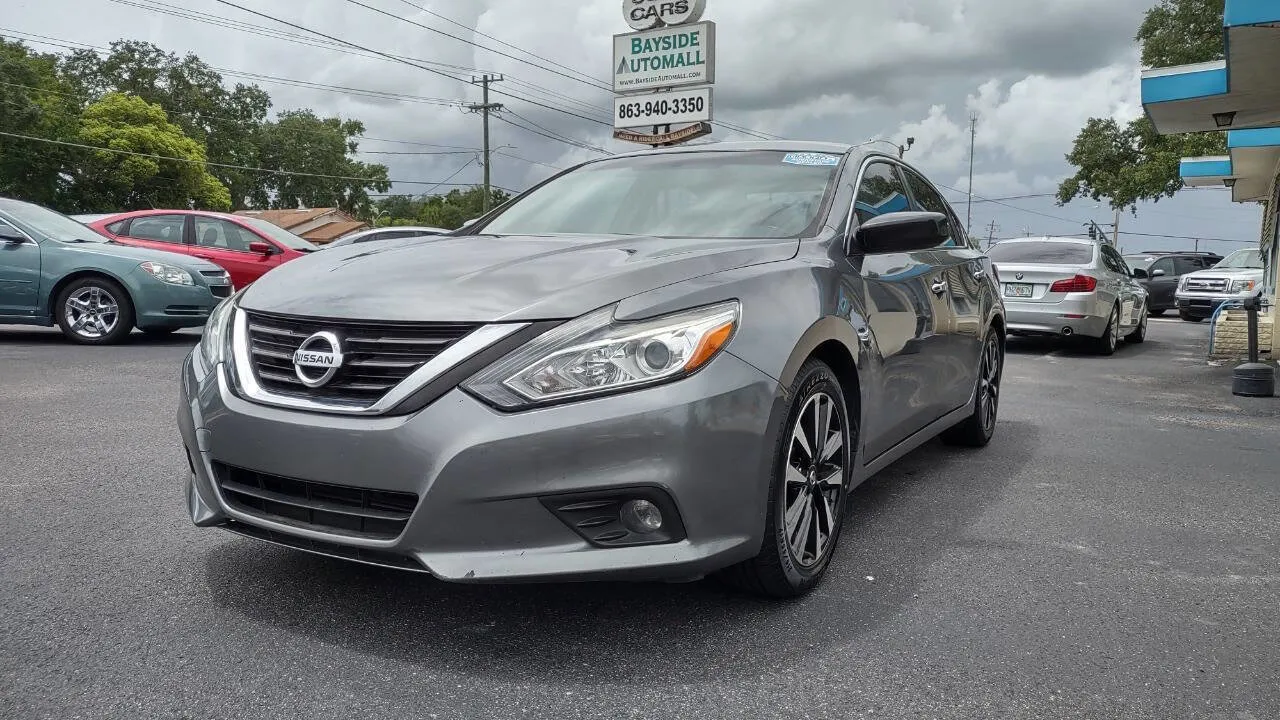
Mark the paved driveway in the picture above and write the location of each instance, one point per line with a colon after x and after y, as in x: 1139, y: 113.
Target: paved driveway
x: 1115, y: 553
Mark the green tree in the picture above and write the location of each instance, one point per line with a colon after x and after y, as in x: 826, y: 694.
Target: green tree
x: 192, y: 94
x: 34, y: 101
x: 450, y: 211
x: 1129, y: 163
x: 299, y: 140
x: 107, y: 181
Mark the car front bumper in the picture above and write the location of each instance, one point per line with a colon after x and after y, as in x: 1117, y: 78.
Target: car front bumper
x: 161, y: 305
x: 484, y: 479
x: 1202, y: 305
x: 1069, y: 317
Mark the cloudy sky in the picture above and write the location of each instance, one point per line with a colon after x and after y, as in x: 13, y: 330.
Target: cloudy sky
x: 841, y: 70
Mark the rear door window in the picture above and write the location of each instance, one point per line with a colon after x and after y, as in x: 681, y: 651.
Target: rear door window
x: 158, y: 228
x: 1042, y: 253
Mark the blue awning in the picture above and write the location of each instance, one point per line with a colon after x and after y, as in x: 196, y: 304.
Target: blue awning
x: 1249, y: 169
x: 1238, y: 93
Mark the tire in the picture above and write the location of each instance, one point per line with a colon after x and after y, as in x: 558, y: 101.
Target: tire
x: 1188, y: 317
x: 94, y: 311
x: 1139, y: 334
x: 813, y: 499
x: 1110, y: 340
x: 977, y: 429
x: 1158, y: 312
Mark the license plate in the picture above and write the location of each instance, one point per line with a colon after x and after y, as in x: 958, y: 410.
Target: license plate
x: 1018, y: 290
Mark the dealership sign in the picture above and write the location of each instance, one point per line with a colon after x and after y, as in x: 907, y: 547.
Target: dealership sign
x: 650, y: 14
x: 654, y: 72
x: 665, y: 108
x: 666, y: 58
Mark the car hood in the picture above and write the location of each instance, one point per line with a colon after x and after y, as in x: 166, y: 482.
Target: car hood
x: 1232, y: 273
x: 142, y: 255
x: 483, y: 278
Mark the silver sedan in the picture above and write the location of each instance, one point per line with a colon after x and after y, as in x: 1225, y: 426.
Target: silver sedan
x: 1066, y: 287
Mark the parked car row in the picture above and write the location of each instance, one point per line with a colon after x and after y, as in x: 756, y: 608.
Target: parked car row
x: 57, y: 271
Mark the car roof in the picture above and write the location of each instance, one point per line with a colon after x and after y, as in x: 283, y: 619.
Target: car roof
x: 1049, y: 238
x: 749, y: 145
x: 394, y: 228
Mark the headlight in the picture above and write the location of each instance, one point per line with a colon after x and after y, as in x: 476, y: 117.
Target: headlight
x: 213, y: 344
x: 1239, y: 286
x: 596, y: 355
x: 168, y: 273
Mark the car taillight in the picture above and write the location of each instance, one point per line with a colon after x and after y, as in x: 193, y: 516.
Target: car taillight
x: 1077, y: 284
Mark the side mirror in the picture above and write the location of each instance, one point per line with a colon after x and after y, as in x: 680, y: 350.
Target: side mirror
x: 902, y: 232
x: 1158, y: 273
x: 262, y: 248
x: 1140, y: 274
x: 11, y: 236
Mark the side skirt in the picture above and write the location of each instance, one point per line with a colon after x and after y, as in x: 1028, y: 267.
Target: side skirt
x: 921, y: 437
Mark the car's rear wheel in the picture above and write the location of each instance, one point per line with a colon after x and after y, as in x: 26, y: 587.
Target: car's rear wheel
x: 1139, y: 333
x: 1158, y: 312
x: 977, y: 429
x: 95, y: 311
x: 813, y: 460
x: 1110, y: 340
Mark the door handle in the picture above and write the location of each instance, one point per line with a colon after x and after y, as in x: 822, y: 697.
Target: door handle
x: 979, y: 275
x: 939, y: 286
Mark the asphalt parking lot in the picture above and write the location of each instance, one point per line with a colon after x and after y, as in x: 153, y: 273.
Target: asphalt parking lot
x: 1115, y: 553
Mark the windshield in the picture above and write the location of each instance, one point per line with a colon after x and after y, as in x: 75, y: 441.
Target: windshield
x: 279, y: 234
x: 715, y: 194
x: 1241, y: 259
x: 1140, y: 261
x: 1042, y: 253
x: 53, y: 225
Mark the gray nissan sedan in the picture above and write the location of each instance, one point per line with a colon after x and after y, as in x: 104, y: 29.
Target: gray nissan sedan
x: 654, y: 366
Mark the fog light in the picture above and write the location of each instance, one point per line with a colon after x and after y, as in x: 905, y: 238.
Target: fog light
x: 641, y: 516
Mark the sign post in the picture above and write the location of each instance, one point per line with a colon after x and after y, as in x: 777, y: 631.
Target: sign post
x: 662, y: 74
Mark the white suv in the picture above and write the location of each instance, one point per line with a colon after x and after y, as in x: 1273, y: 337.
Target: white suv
x: 1237, y: 277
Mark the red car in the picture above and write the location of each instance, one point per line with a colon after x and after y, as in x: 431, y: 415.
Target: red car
x: 245, y: 247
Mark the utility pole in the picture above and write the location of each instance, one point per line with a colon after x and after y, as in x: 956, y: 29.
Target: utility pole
x: 973, y: 138
x: 1115, y: 231
x: 485, y: 108
x: 991, y: 234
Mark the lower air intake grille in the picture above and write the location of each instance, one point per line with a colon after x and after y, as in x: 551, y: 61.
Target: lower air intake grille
x: 346, y: 552
x: 376, y: 356
x: 338, y: 509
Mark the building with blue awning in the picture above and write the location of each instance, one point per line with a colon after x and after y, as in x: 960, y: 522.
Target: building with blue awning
x: 1240, y: 95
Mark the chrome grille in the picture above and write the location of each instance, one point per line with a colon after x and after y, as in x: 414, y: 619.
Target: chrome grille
x: 377, y: 356
x: 1206, y: 285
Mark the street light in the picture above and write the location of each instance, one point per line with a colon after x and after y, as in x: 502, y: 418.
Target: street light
x: 902, y: 149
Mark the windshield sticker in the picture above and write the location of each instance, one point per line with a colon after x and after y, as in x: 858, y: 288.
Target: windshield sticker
x: 812, y: 159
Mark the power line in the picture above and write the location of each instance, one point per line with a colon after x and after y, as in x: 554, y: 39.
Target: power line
x: 490, y: 37
x: 223, y: 165
x: 546, y: 132
x: 428, y: 28
x: 583, y: 79
x: 404, y: 62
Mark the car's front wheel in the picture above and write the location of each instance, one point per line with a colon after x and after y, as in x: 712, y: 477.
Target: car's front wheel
x: 813, y: 460
x: 95, y: 311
